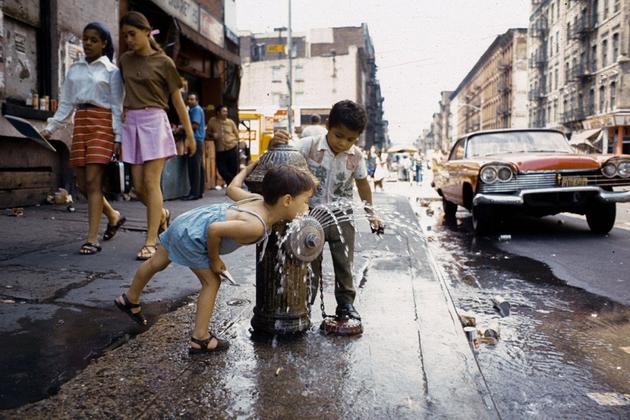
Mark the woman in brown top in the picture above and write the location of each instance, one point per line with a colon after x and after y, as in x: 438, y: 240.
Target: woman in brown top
x: 150, y: 78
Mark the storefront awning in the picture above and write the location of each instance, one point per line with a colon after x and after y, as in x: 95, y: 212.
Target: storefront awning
x: 586, y: 136
x: 195, y: 37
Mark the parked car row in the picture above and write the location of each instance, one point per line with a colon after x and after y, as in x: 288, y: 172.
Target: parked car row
x: 495, y: 174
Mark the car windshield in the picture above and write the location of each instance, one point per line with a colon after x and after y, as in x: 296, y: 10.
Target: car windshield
x: 517, y: 142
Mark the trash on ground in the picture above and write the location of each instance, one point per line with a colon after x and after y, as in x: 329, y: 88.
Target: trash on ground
x: 610, y: 398
x: 471, y: 333
x: 7, y: 301
x: 626, y: 349
x: 430, y: 211
x: 278, y: 371
x: 61, y: 196
x: 505, y: 238
x: 502, y: 305
x: 467, y: 319
x: 70, y: 208
x: 424, y: 203
x: 493, y: 330
x: 14, y: 212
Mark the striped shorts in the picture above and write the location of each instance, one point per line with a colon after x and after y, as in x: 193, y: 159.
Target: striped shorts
x: 93, y: 137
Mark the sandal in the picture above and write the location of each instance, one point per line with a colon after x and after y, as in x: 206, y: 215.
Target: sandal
x: 167, y: 221
x: 128, y: 306
x: 146, y: 252
x: 89, y: 248
x: 203, y: 344
x: 111, y: 230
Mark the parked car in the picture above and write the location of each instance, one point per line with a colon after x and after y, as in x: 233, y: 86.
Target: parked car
x: 534, y: 171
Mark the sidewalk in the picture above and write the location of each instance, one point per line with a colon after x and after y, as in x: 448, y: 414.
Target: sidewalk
x: 412, y: 361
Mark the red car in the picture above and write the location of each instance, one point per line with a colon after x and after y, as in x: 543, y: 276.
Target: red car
x: 534, y: 171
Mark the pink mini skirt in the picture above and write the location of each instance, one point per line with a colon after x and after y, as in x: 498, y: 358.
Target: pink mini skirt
x: 146, y: 135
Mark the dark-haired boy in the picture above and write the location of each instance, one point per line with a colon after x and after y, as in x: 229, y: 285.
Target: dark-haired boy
x: 336, y: 161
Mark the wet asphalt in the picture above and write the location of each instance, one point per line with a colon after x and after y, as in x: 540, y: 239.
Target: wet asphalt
x: 66, y: 352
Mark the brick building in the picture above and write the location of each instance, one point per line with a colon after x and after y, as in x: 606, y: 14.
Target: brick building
x: 494, y: 92
x: 580, y: 69
x: 329, y: 64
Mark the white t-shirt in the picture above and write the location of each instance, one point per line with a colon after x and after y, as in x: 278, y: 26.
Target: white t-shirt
x: 312, y: 131
x: 335, y: 173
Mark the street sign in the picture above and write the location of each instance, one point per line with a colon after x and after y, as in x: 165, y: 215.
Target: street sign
x: 275, y: 48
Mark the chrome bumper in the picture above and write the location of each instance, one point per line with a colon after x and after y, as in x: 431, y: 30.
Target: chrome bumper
x: 518, y: 199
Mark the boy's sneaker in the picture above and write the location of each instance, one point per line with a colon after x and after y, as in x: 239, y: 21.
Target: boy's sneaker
x: 347, y: 311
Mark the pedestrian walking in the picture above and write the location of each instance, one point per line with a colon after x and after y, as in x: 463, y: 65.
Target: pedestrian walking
x: 92, y: 90
x: 335, y: 160
x: 379, y: 175
x: 150, y: 78
x: 197, y: 238
x: 195, y: 162
x: 224, y: 133
x: 315, y: 129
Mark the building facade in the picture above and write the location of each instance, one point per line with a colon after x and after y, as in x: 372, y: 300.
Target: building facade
x: 494, y: 93
x: 329, y: 65
x: 42, y: 38
x: 579, y: 77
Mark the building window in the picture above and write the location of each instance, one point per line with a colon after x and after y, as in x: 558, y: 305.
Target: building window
x: 557, y: 42
x: 617, y: 5
x: 299, y: 73
x: 594, y: 58
x: 613, y: 95
x: 591, y: 102
x: 615, y: 47
x: 604, y: 53
x: 602, y: 99
x: 551, y: 12
x: 556, y: 74
x: 566, y: 73
x: 555, y: 110
x: 550, y: 46
x: 568, y: 30
x: 605, y: 15
x: 276, y: 74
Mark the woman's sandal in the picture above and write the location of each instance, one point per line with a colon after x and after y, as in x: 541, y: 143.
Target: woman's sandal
x: 146, y: 252
x: 111, y: 230
x: 128, y: 306
x: 166, y: 222
x: 222, y: 345
x: 89, y: 248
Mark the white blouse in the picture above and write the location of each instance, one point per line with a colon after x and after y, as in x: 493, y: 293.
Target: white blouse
x: 98, y: 83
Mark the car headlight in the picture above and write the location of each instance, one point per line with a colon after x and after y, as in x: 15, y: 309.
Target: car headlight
x: 623, y: 169
x: 504, y: 174
x: 488, y: 175
x: 609, y: 170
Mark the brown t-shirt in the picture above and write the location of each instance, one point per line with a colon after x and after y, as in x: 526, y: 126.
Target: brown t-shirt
x: 224, y: 132
x: 149, y: 80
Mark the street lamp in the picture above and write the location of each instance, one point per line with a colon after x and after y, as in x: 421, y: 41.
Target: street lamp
x: 476, y: 108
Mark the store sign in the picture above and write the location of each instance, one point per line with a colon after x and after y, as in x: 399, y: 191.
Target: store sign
x: 185, y: 10
x: 211, y: 28
x: 599, y: 122
x: 275, y: 48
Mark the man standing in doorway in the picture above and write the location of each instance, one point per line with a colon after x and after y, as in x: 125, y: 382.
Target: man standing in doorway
x: 195, y: 162
x: 225, y: 135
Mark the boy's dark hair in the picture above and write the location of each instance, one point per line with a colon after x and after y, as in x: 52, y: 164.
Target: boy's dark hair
x: 285, y: 179
x: 349, y: 114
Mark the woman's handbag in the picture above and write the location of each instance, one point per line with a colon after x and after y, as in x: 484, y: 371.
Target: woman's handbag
x: 117, y: 177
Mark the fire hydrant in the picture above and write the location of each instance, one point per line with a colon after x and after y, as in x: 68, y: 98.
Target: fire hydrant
x: 281, y: 282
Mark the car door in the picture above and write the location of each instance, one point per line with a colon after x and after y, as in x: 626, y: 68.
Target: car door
x: 452, y: 174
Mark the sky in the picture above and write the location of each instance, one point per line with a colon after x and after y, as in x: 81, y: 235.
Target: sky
x: 422, y: 46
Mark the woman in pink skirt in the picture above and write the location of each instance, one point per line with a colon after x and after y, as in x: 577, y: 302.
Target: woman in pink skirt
x: 150, y: 79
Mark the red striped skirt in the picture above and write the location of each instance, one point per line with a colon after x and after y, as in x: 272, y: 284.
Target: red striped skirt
x: 93, y: 137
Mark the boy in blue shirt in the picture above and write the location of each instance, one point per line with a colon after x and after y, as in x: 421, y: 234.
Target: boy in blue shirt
x: 195, y: 162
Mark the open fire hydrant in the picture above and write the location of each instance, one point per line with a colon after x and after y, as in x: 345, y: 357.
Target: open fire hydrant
x: 281, y: 286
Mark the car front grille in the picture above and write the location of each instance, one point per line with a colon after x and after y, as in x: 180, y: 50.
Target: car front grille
x: 535, y: 180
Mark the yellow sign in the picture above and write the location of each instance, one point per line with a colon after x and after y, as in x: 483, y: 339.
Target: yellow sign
x: 275, y: 48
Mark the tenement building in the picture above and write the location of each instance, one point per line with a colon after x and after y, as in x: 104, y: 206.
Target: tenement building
x: 494, y: 92
x: 328, y: 65
x: 579, y: 70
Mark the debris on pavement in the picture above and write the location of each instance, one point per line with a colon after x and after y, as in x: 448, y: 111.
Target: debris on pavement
x: 467, y: 319
x: 505, y: 238
x: 492, y: 330
x: 626, y: 349
x: 278, y: 371
x: 14, y: 212
x: 7, y: 301
x: 610, y: 398
x: 502, y: 305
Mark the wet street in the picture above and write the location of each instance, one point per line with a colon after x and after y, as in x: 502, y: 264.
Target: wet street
x: 564, y: 349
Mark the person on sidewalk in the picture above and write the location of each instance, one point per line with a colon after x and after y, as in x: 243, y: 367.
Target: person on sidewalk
x: 197, y: 238
x: 315, y: 129
x: 93, y: 90
x: 335, y: 160
x: 150, y: 78
x: 379, y: 175
x: 196, y: 174
x: 224, y: 133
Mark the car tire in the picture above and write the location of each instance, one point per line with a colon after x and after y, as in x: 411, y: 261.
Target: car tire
x: 601, y: 217
x: 450, y: 209
x: 482, y: 219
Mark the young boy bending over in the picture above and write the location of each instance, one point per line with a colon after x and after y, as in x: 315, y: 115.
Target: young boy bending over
x: 197, y: 238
